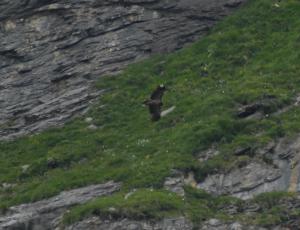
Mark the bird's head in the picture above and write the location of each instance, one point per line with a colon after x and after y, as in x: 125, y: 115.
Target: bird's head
x: 162, y: 87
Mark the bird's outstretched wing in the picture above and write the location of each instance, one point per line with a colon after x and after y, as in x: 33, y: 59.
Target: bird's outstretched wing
x: 155, y: 110
x: 158, y: 93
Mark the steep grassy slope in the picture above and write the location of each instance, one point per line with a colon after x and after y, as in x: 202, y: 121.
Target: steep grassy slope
x: 251, y: 56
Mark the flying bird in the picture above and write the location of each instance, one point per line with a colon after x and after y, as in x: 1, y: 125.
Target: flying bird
x: 155, y: 102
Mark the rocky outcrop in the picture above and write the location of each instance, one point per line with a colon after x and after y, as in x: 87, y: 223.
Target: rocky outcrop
x: 51, y: 50
x: 95, y: 223
x: 177, y: 180
x: 215, y: 224
x: 253, y: 179
x: 275, y: 167
x: 180, y: 223
x: 280, y: 173
x: 47, y: 214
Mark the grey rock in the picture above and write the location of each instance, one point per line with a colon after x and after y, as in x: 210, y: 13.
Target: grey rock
x: 88, y: 119
x: 177, y: 180
x: 236, y: 226
x: 251, y: 208
x: 175, y: 184
x: 231, y: 209
x: 52, y: 51
x: 282, y: 174
x: 214, y: 224
x: 7, y: 186
x: 112, y: 209
x: 243, y: 151
x: 268, y: 149
x: 46, y: 214
x: 92, y: 127
x: 244, y: 183
x: 208, y: 154
x: 287, y: 157
x: 180, y: 223
x: 96, y: 223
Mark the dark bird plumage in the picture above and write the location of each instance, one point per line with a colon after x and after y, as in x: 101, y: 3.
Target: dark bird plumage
x: 155, y: 102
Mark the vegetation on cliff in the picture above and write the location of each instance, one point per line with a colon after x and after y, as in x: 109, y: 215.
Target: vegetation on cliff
x: 251, y: 56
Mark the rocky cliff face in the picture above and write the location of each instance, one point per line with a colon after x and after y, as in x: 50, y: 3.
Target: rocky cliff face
x: 181, y: 223
x: 278, y: 171
x: 47, y: 214
x: 51, y: 51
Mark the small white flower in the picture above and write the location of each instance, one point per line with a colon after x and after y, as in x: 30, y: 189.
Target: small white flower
x: 142, y: 142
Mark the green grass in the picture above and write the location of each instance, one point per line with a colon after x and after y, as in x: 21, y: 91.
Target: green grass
x: 156, y: 204
x: 251, y: 56
x: 152, y: 204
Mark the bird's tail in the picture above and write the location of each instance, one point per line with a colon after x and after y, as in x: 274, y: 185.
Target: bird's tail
x: 166, y: 112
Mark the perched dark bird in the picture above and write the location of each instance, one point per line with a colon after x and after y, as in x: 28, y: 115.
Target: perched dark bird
x: 155, y: 102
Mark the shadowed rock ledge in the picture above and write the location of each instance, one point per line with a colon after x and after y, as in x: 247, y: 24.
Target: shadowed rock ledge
x: 51, y: 51
x: 46, y: 214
